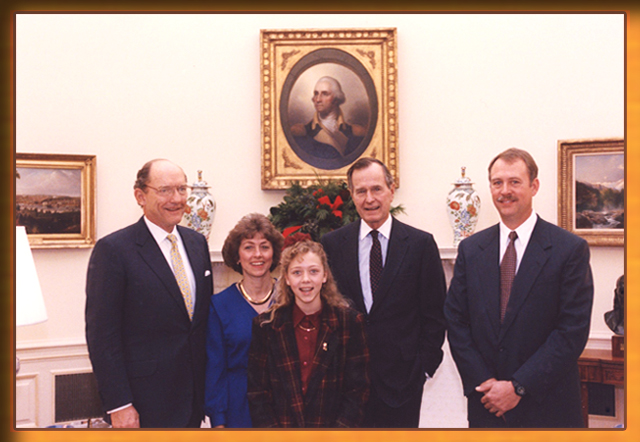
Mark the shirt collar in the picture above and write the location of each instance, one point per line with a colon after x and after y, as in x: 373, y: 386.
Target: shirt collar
x: 384, y: 230
x: 524, y: 230
x: 158, y: 233
x: 298, y: 316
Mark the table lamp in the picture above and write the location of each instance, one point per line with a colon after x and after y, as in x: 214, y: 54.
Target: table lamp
x: 30, y: 307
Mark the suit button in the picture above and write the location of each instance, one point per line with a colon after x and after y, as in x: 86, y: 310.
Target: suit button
x: 501, y: 349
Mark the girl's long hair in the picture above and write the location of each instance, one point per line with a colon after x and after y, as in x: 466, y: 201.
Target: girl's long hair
x: 284, y: 295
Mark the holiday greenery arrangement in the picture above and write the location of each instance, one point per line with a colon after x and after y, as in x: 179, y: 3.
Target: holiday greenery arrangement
x: 315, y: 210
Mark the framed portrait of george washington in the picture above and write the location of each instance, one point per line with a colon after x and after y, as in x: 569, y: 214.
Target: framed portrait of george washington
x: 329, y: 97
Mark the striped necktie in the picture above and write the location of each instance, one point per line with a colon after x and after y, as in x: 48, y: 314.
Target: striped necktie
x: 375, y: 263
x: 180, y: 274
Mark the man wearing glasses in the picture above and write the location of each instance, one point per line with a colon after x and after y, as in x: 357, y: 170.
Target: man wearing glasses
x: 148, y: 290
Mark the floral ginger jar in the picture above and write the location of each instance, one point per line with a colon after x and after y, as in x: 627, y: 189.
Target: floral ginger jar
x: 463, y: 207
x: 201, y: 208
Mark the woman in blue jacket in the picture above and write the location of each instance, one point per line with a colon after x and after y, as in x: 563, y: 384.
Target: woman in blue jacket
x: 252, y: 249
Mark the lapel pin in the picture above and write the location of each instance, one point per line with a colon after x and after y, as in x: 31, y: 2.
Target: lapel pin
x: 324, y: 346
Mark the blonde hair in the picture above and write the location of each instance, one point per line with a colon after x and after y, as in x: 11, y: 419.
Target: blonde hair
x: 284, y: 295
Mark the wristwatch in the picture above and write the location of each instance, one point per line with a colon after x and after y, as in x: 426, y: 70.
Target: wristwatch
x: 520, y: 391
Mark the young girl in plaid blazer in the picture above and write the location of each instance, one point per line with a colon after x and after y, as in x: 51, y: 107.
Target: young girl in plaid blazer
x: 308, y: 360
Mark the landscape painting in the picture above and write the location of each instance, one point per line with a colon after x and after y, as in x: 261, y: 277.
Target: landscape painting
x: 48, y: 200
x: 591, y: 181
x: 599, y: 191
x: 55, y: 199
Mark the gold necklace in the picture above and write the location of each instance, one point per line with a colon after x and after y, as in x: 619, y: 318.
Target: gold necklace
x: 305, y: 328
x: 248, y: 298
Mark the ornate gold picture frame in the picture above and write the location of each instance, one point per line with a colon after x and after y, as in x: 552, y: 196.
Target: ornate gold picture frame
x: 591, y: 189
x: 56, y: 199
x: 297, y: 145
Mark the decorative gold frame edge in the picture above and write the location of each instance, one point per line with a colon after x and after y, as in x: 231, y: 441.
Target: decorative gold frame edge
x: 270, y: 180
x: 566, y: 210
x: 87, y: 163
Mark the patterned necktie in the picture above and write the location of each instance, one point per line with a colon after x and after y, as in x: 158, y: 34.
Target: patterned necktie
x: 507, y: 273
x: 181, y: 274
x: 375, y: 263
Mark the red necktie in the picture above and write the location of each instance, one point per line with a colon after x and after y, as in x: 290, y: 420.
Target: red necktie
x: 507, y: 273
x: 375, y: 263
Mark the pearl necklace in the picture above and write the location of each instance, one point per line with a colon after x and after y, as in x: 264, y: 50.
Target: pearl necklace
x: 248, y: 298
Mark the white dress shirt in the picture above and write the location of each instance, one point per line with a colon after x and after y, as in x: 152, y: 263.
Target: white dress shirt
x: 160, y: 235
x: 524, y: 232
x: 364, y: 250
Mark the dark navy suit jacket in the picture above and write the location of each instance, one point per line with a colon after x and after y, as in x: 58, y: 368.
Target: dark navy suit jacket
x: 143, y: 347
x: 406, y: 326
x: 544, y: 331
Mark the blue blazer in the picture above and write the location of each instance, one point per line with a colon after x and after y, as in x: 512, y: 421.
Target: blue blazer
x: 143, y: 347
x: 406, y: 325
x: 544, y: 331
x: 228, y: 340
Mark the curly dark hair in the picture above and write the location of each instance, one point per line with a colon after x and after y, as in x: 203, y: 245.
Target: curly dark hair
x: 247, y: 228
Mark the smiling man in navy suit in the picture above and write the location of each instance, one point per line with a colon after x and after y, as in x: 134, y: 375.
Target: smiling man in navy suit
x: 148, y: 290
x: 404, y: 314
x: 519, y: 308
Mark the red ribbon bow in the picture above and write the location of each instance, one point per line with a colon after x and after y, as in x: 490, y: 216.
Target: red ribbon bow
x: 334, y: 206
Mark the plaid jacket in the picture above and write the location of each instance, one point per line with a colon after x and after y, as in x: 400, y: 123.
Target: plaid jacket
x: 339, y: 383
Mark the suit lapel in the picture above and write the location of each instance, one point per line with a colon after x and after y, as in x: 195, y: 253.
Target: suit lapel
x: 398, y: 246
x: 487, y: 267
x: 150, y: 252
x: 351, y: 265
x: 535, y: 256
x: 285, y: 351
x: 197, y: 262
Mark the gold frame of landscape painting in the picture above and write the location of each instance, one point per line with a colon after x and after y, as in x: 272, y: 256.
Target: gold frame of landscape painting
x: 363, y: 63
x: 56, y: 199
x: 591, y: 189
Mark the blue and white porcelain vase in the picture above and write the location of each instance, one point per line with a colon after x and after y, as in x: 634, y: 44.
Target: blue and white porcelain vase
x: 201, y: 208
x: 463, y: 207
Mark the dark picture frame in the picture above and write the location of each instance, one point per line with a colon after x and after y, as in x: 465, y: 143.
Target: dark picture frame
x: 56, y: 199
x: 591, y: 182
x: 363, y: 62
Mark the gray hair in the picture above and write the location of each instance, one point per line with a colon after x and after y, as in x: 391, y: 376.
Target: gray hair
x: 338, y: 96
x: 365, y: 162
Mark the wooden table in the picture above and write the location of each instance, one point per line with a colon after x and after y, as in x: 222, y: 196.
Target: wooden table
x: 598, y: 366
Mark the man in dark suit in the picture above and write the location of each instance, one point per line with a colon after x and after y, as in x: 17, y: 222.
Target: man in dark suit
x: 518, y: 310
x: 393, y: 274
x: 148, y: 290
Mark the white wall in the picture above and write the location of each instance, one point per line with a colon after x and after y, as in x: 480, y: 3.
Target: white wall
x: 129, y: 88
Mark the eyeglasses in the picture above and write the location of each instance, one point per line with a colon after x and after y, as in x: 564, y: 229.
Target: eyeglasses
x: 169, y: 190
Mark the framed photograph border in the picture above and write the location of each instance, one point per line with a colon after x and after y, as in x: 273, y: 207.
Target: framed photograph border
x: 373, y: 50
x: 567, y: 150
x: 87, y: 165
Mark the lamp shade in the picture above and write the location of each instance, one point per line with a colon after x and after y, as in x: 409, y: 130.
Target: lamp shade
x: 30, y: 307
